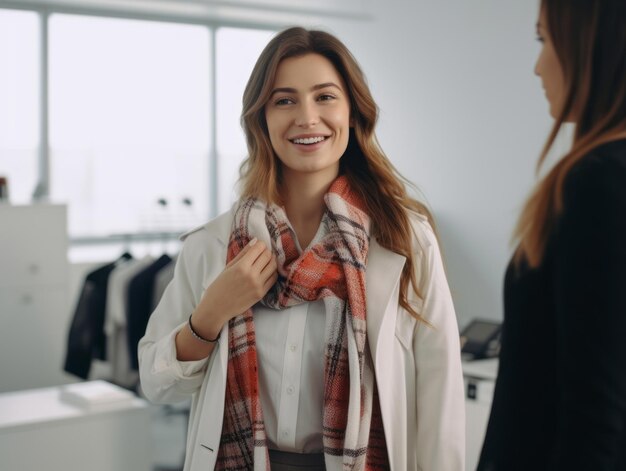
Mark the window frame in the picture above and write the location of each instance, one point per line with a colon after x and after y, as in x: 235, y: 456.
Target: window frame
x: 44, y: 11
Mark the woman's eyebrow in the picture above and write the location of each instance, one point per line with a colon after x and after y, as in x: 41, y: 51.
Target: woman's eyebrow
x: 318, y: 86
x: 325, y: 85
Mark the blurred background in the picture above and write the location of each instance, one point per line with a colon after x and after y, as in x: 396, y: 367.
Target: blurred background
x: 119, y: 130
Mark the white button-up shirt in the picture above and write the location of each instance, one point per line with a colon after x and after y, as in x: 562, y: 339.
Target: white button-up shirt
x: 290, y: 352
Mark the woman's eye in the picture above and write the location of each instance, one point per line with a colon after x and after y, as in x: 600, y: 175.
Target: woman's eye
x: 540, y: 39
x: 326, y: 97
x: 283, y: 101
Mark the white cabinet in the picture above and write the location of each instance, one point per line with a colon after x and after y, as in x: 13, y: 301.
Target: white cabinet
x: 34, y: 308
x: 480, y: 377
x: 40, y: 432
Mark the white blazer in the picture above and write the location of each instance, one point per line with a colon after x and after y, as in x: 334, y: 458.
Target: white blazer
x: 418, y: 367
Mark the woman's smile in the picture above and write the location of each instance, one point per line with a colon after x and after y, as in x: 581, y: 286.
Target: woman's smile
x: 308, y: 114
x: 309, y: 142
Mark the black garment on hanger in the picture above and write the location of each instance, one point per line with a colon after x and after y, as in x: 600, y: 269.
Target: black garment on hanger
x: 140, y: 295
x: 86, y: 338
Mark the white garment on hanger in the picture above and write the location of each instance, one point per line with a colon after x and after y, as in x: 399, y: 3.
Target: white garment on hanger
x: 115, y: 320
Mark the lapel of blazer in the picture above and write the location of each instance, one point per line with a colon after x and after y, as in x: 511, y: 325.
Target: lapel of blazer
x: 384, y: 268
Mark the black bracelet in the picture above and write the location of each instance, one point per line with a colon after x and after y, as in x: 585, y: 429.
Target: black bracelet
x: 200, y: 337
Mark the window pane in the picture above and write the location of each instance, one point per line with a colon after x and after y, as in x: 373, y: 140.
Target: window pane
x: 19, y: 102
x: 129, y: 123
x: 237, y: 52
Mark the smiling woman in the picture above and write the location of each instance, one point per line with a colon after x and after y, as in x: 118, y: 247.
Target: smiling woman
x: 318, y: 111
x: 313, y: 121
x: 328, y: 339
x: 308, y: 126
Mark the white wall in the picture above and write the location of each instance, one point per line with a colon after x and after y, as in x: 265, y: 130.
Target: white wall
x: 464, y: 117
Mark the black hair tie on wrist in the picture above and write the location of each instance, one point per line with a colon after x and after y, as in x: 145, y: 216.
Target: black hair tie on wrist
x: 200, y: 337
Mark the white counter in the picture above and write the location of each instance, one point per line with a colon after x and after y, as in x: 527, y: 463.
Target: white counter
x: 38, y: 431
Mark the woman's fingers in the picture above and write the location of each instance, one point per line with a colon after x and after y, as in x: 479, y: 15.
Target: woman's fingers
x: 256, y: 256
x: 243, y: 251
x: 269, y: 282
x: 269, y: 274
x: 262, y: 260
x: 269, y: 268
x: 256, y: 267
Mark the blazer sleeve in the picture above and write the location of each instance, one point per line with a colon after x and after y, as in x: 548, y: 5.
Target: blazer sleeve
x: 164, y: 379
x: 439, y: 388
x: 590, y: 305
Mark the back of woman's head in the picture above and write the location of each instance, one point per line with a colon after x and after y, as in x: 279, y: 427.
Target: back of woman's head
x: 589, y: 38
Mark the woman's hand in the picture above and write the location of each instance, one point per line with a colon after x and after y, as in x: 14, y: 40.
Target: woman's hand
x: 244, y: 282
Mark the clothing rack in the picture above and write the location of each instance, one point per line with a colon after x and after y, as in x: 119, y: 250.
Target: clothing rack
x: 111, y: 315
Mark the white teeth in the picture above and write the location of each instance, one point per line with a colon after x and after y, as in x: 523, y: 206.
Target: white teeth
x: 309, y: 140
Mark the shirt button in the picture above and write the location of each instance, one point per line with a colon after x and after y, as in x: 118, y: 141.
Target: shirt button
x: 293, y: 347
x: 285, y: 433
x: 290, y: 390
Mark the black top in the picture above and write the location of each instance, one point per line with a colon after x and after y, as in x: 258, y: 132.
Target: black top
x: 86, y: 339
x: 139, y: 305
x: 560, y: 397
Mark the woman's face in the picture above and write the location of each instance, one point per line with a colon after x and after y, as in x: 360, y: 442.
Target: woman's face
x: 308, y: 117
x: 549, y: 68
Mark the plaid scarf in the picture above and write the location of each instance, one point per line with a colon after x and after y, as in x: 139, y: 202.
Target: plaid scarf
x: 333, y: 269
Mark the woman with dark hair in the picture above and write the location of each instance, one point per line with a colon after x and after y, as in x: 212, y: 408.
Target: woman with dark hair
x: 560, y: 397
x: 312, y: 325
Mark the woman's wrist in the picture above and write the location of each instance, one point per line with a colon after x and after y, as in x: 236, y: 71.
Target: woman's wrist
x: 189, y: 348
x: 199, y: 336
x: 203, y: 329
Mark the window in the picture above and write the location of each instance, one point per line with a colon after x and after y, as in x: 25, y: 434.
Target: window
x: 129, y: 123
x: 19, y: 102
x: 232, y: 76
x: 137, y: 140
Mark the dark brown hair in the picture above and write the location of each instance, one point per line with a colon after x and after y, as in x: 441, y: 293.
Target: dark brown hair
x: 589, y: 37
x: 369, y: 171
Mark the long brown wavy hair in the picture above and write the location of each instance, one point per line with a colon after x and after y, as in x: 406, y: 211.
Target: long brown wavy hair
x: 589, y: 37
x: 368, y: 170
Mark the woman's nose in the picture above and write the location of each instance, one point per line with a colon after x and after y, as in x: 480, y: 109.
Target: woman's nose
x: 307, y: 115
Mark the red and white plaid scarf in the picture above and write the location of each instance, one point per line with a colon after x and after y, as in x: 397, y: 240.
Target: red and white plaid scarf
x: 332, y: 269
